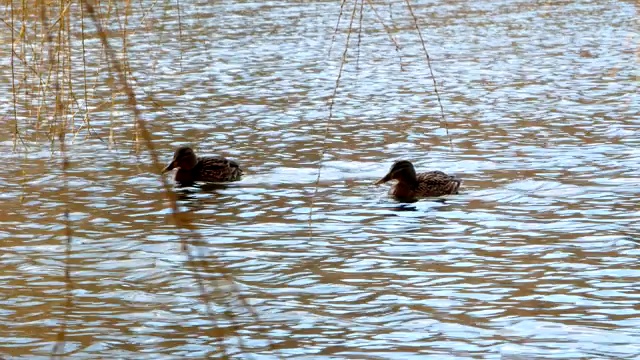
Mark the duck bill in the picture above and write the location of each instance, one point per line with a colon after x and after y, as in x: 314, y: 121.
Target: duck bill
x: 383, y: 180
x: 171, y: 166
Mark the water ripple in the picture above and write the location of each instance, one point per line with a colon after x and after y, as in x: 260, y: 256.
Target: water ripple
x: 536, y: 258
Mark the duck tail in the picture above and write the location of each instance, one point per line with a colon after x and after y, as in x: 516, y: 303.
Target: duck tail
x: 454, y: 186
x: 236, y: 173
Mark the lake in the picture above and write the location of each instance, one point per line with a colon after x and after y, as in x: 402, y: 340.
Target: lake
x: 536, y: 258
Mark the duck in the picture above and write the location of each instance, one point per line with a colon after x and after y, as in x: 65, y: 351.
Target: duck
x: 411, y: 186
x: 208, y: 169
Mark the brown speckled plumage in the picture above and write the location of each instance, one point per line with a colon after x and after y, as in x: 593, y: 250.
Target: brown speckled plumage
x: 209, y: 169
x: 411, y: 186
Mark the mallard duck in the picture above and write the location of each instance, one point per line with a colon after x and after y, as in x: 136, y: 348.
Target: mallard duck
x: 192, y: 168
x: 411, y: 186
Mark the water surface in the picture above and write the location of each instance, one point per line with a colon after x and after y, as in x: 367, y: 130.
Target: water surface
x: 536, y: 258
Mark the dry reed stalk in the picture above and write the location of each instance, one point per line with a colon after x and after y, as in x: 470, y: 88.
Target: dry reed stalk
x: 60, y: 111
x: 340, y: 72
x: 387, y: 31
x: 16, y: 132
x: 180, y: 32
x: 87, y: 119
x: 359, y: 35
x: 335, y: 31
x: 332, y: 99
x: 435, y: 85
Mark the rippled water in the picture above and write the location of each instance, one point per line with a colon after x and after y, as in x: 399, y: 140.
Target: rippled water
x: 537, y: 258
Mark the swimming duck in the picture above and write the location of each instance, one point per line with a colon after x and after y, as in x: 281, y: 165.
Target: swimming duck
x: 192, y: 168
x: 411, y: 186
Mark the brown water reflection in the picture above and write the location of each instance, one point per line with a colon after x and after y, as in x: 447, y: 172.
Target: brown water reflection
x: 536, y: 259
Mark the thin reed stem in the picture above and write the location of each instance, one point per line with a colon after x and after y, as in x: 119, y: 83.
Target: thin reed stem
x: 61, y: 112
x: 86, y: 117
x: 180, y: 33
x: 388, y: 32
x: 16, y: 133
x: 359, y: 34
x: 335, y: 30
x: 435, y: 85
x: 332, y: 100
